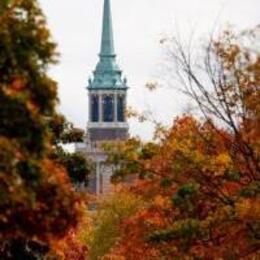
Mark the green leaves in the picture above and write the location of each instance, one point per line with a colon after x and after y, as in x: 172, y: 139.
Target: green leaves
x: 186, y: 229
x: 29, y: 171
x: 77, y: 166
x: 184, y: 197
x: 112, y: 211
x: 37, y: 199
x: 16, y: 121
x: 251, y: 191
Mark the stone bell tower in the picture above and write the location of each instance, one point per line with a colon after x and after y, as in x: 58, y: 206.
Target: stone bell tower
x: 107, y: 92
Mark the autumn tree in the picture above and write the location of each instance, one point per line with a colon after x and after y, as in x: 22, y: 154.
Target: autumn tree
x: 37, y: 202
x: 76, y: 164
x: 224, y: 84
x: 111, y: 212
x: 127, y: 156
x: 73, y: 246
x: 201, y: 180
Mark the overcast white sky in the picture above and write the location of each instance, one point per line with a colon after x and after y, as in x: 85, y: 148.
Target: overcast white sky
x: 138, y: 27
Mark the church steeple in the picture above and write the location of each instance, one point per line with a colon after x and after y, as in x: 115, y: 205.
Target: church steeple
x: 107, y: 42
x: 107, y: 74
x: 107, y: 90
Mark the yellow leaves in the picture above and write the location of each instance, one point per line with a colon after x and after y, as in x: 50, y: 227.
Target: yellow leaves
x: 223, y: 159
x: 198, y: 152
x: 227, y: 49
x: 162, y: 202
x: 221, y: 163
x: 73, y: 246
x: 151, y: 85
x: 249, y: 209
x: 159, y: 201
x: 113, y: 257
x: 113, y: 210
x: 131, y: 112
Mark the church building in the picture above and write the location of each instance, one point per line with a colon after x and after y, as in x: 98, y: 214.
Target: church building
x: 107, y: 92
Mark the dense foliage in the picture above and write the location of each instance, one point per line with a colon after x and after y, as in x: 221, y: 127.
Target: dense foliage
x: 192, y: 194
x: 201, y: 180
x: 111, y: 212
x: 76, y: 164
x: 37, y: 202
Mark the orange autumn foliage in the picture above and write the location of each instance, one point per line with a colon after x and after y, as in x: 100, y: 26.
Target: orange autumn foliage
x: 195, y: 207
x: 201, y: 181
x: 38, y: 204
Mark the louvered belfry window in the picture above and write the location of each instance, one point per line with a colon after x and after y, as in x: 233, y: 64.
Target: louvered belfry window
x: 95, y: 109
x: 120, y: 109
x: 108, y: 111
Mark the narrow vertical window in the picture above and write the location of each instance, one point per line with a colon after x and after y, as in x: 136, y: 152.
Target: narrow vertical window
x: 108, y: 111
x: 94, y: 109
x: 121, y: 109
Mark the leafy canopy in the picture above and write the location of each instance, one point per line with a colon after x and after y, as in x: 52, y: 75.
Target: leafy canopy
x: 37, y: 201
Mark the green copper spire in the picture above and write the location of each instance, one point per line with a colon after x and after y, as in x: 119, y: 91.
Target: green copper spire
x: 107, y: 74
x: 107, y: 44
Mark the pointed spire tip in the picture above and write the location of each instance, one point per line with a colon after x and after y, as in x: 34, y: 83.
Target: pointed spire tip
x: 107, y: 43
